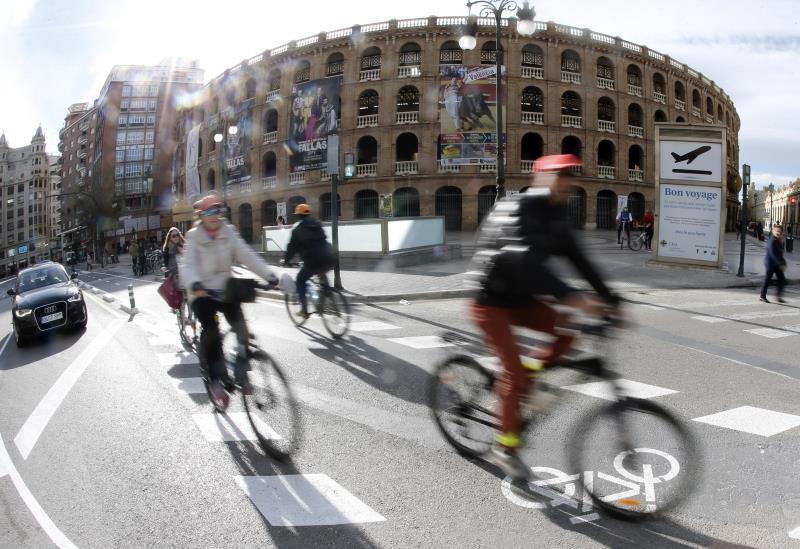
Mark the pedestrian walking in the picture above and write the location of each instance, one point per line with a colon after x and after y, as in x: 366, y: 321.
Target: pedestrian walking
x: 775, y: 264
x: 649, y: 222
x: 738, y: 229
x: 133, y: 249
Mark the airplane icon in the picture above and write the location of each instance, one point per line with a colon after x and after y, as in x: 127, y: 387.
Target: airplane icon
x: 691, y: 155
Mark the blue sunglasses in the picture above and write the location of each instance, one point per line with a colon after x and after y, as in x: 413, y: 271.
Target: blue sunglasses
x: 215, y: 210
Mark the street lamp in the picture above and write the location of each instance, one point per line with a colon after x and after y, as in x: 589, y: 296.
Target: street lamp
x: 468, y: 41
x: 232, y: 130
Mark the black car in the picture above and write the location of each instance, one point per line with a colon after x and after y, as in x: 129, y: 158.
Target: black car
x: 45, y: 298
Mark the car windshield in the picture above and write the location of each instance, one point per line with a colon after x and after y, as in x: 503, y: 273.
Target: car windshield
x: 39, y: 278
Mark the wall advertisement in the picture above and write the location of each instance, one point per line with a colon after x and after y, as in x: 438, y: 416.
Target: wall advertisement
x: 689, y: 222
x: 467, y: 113
x: 314, y: 116
x: 237, y: 162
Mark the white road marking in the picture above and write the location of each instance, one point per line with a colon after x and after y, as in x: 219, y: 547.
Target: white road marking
x: 749, y: 419
x: 422, y: 342
x: 5, y: 343
x: 189, y: 385
x: 710, y: 319
x: 105, y: 306
x: 651, y: 307
x: 770, y: 333
x: 230, y: 427
x: 7, y: 468
x: 795, y: 533
x: 305, y: 500
x: 792, y: 328
x: 177, y: 358
x: 35, y: 424
x: 602, y: 389
x: 372, y: 326
x: 746, y: 316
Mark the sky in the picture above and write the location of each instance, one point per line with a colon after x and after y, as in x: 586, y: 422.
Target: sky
x: 58, y: 52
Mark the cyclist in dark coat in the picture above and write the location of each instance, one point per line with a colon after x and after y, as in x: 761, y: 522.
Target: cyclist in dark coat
x: 310, y: 243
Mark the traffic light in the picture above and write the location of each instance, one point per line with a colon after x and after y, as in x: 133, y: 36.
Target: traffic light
x: 349, y: 165
x: 793, y: 200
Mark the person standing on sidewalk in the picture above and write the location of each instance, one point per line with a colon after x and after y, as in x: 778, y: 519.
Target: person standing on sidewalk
x: 133, y: 249
x: 775, y: 264
x: 648, y: 221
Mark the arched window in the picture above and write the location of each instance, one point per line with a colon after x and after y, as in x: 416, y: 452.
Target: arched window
x: 271, y: 121
x: 406, y: 202
x: 406, y: 147
x: 368, y: 103
x: 571, y: 109
x: 660, y: 116
x: 370, y: 59
x: 634, y: 75
x: 659, y: 86
x: 211, y: 180
x: 680, y: 120
x: 269, y: 213
x: 326, y: 208
x: 571, y: 145
x: 215, y: 105
x: 709, y: 106
x: 532, y: 147
x: 250, y: 88
x: 680, y: 91
x: 696, y: 100
x: 606, y: 115
x: 532, y: 100
x: 486, y: 198
x: 606, y: 155
x: 605, y: 73
x: 720, y: 116
x: 450, y: 53
x: 274, y: 80
x: 636, y: 205
x: 268, y: 164
x: 635, y: 116
x: 448, y: 204
x: 366, y: 204
x: 576, y: 207
x: 532, y: 56
x: 606, y: 209
x: 335, y: 64
x: 303, y: 72
x: 570, y: 62
x: 488, y: 53
x: 367, y: 150
x: 246, y: 222
x: 410, y: 55
x: 200, y: 146
x: 408, y: 99
x: 291, y: 204
x: 635, y: 158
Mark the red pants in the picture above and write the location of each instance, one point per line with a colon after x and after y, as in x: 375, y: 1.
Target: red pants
x: 496, y: 324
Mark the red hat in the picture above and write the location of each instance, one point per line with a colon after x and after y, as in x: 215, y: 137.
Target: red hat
x: 207, y: 202
x: 555, y: 162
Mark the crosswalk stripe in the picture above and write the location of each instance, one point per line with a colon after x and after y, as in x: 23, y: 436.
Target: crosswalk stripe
x: 422, y: 342
x: 177, y: 358
x: 710, y: 319
x: 305, y: 500
x: 230, y: 427
x: 770, y: 333
x: 372, y: 326
x: 189, y: 385
x: 746, y: 316
x: 635, y: 389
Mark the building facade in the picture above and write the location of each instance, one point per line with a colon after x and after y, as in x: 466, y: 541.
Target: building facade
x: 569, y: 90
x: 777, y: 205
x: 24, y: 212
x: 120, y: 181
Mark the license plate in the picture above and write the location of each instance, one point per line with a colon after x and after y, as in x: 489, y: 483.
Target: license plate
x: 50, y: 318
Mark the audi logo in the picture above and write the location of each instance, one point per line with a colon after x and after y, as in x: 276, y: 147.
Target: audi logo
x: 50, y: 309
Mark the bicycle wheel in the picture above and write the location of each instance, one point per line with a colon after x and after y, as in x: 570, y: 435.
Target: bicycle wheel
x: 335, y: 311
x: 462, y: 401
x: 187, y: 327
x: 293, y: 309
x: 272, y: 408
x: 635, y: 244
x: 654, y: 457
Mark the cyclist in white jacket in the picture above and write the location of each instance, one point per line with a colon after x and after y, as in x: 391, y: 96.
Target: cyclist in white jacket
x: 212, y: 248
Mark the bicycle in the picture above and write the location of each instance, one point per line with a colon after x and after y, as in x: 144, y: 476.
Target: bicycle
x: 187, y: 325
x: 636, y: 243
x: 467, y: 420
x: 272, y: 408
x: 323, y: 299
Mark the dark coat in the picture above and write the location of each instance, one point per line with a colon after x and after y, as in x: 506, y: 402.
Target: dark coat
x: 774, y: 258
x: 310, y: 243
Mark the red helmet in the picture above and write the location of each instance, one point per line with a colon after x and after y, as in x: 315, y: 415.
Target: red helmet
x: 556, y: 162
x: 208, y: 201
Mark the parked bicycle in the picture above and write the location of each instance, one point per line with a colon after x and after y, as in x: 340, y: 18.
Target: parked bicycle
x: 631, y: 434
x: 323, y: 299
x: 637, y: 241
x: 272, y: 408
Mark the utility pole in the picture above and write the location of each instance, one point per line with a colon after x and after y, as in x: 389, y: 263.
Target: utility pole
x: 333, y: 170
x: 745, y: 184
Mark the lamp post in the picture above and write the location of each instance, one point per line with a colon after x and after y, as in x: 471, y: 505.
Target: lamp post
x: 771, y: 190
x: 231, y: 130
x: 468, y: 41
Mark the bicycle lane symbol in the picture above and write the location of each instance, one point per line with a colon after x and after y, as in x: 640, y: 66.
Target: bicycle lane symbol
x: 632, y: 486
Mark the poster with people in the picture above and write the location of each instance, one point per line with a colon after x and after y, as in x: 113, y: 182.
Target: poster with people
x: 314, y: 116
x: 468, y: 113
x: 237, y: 160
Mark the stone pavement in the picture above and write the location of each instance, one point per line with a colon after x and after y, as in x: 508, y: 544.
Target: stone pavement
x: 624, y: 269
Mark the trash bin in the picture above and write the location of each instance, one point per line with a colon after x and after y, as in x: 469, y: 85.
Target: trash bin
x: 789, y: 243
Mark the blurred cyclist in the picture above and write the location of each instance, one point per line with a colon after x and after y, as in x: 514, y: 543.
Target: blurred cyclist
x: 310, y: 243
x: 514, y: 244
x: 212, y: 248
x: 624, y: 220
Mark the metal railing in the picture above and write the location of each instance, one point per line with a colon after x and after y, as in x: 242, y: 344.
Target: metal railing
x: 532, y: 117
x: 635, y: 175
x: 408, y: 117
x: 606, y: 126
x: 405, y: 167
x: 605, y: 83
x: 572, y: 77
x: 270, y: 137
x: 606, y: 172
x: 366, y: 120
x: 533, y: 72
x: 569, y: 121
x: 366, y: 170
x: 635, y: 131
x: 334, y: 68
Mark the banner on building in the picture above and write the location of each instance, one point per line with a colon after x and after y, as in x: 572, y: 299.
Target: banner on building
x: 314, y: 116
x: 467, y: 113
x: 192, y: 173
x: 237, y: 161
x: 386, y: 205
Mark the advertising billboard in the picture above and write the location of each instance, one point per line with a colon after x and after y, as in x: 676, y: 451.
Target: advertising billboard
x: 314, y: 116
x: 237, y: 162
x: 689, y: 222
x: 467, y: 113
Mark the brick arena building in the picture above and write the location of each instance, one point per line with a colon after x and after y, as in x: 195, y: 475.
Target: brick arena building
x: 568, y: 90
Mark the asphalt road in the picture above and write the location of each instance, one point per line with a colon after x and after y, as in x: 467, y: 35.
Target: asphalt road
x: 104, y: 443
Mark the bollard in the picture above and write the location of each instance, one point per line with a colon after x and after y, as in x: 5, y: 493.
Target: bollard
x: 133, y: 301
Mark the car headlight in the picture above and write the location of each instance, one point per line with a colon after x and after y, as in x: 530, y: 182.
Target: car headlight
x: 23, y: 312
x: 74, y: 298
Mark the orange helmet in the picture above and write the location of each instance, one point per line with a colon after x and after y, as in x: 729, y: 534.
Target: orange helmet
x: 555, y: 162
x: 302, y: 209
x: 208, y: 201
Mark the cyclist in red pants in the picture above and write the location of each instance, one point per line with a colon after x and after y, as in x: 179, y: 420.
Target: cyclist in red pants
x: 515, y: 242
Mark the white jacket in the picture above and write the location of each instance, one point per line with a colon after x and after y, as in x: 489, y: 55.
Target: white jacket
x: 209, y: 260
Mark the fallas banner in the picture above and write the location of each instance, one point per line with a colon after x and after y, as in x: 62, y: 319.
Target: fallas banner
x: 467, y: 113
x: 314, y: 116
x: 240, y: 143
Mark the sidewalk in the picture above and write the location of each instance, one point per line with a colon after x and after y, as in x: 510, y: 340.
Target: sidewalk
x: 624, y: 270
